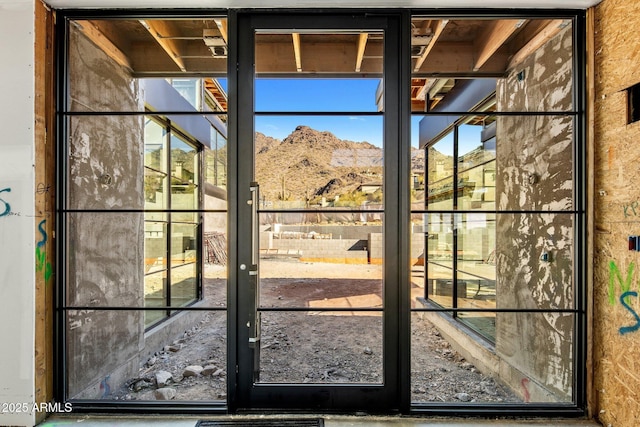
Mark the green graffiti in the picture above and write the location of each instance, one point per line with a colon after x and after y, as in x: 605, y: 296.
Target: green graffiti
x: 42, y: 264
x: 625, y: 286
x: 41, y: 253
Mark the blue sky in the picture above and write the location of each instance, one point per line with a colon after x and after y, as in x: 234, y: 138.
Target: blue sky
x: 319, y: 95
x: 331, y: 95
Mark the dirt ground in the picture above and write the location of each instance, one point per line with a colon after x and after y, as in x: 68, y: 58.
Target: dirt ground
x: 311, y: 346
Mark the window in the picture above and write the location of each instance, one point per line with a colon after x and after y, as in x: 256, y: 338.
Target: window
x: 494, y: 239
x: 171, y: 238
x: 146, y: 179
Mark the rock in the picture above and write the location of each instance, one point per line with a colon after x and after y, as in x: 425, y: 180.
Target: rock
x: 165, y: 393
x: 139, y: 385
x: 173, y: 348
x: 218, y: 373
x: 463, y: 397
x: 192, y: 371
x: 466, y: 365
x: 367, y: 351
x: 208, y: 370
x: 152, y: 361
x: 163, y: 378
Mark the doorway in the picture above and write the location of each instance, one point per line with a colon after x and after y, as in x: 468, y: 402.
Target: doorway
x: 317, y: 298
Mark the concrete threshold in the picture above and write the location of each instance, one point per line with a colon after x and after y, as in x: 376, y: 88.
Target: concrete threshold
x: 329, y: 421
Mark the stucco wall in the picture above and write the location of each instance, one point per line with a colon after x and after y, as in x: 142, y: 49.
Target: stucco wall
x: 534, y: 156
x: 105, y: 249
x: 616, y: 331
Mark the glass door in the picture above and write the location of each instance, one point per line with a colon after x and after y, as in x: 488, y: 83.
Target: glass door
x: 317, y: 136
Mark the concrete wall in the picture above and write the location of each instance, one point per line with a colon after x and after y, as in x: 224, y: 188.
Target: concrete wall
x: 105, y: 249
x: 616, y: 332
x: 17, y: 201
x: 539, y: 346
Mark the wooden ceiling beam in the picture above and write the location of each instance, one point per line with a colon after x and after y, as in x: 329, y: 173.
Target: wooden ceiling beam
x: 297, y: 53
x: 221, y: 23
x: 436, y: 35
x: 362, y: 44
x: 160, y: 31
x: 548, y: 32
x: 99, y: 39
x: 493, y: 37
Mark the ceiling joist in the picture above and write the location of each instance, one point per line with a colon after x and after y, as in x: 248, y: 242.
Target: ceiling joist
x: 161, y: 31
x: 362, y: 44
x: 221, y: 23
x: 297, y: 51
x: 436, y: 34
x: 99, y: 39
x: 493, y: 37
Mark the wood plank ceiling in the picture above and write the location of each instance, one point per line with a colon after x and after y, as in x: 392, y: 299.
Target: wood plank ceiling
x: 442, y: 49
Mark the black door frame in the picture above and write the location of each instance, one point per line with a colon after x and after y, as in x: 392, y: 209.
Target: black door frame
x: 390, y: 396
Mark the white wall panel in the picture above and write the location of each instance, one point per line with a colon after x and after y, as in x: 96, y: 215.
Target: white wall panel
x: 17, y: 229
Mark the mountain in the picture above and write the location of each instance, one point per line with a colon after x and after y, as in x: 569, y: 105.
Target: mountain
x: 309, y: 164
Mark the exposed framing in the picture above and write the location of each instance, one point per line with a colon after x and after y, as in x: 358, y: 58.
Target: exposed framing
x: 44, y: 225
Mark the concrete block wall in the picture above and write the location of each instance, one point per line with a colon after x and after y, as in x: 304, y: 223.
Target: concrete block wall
x: 348, y: 251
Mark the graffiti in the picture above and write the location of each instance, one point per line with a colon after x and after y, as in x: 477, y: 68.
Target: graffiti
x: 42, y: 188
x: 625, y: 286
x: 41, y: 254
x: 630, y: 209
x: 627, y: 329
x: 7, y: 206
x: 525, y: 390
x: 625, y: 293
x: 105, y: 388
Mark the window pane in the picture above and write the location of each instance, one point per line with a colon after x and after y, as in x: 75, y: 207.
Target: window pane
x: 535, y: 162
x: 531, y: 362
x: 316, y: 259
x: 105, y: 165
x: 439, y: 273
x: 476, y: 164
x: 155, y: 145
x: 319, y: 52
x: 184, y: 179
x: 476, y: 270
x: 155, y: 295
x: 199, y: 48
x: 478, y: 188
x: 320, y: 94
x: 107, y: 259
x: 323, y: 345
x: 537, y: 70
x: 216, y: 162
x: 116, y: 364
x: 184, y: 241
x: 324, y: 161
x: 184, y: 280
x: 535, y: 261
x: 439, y: 167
